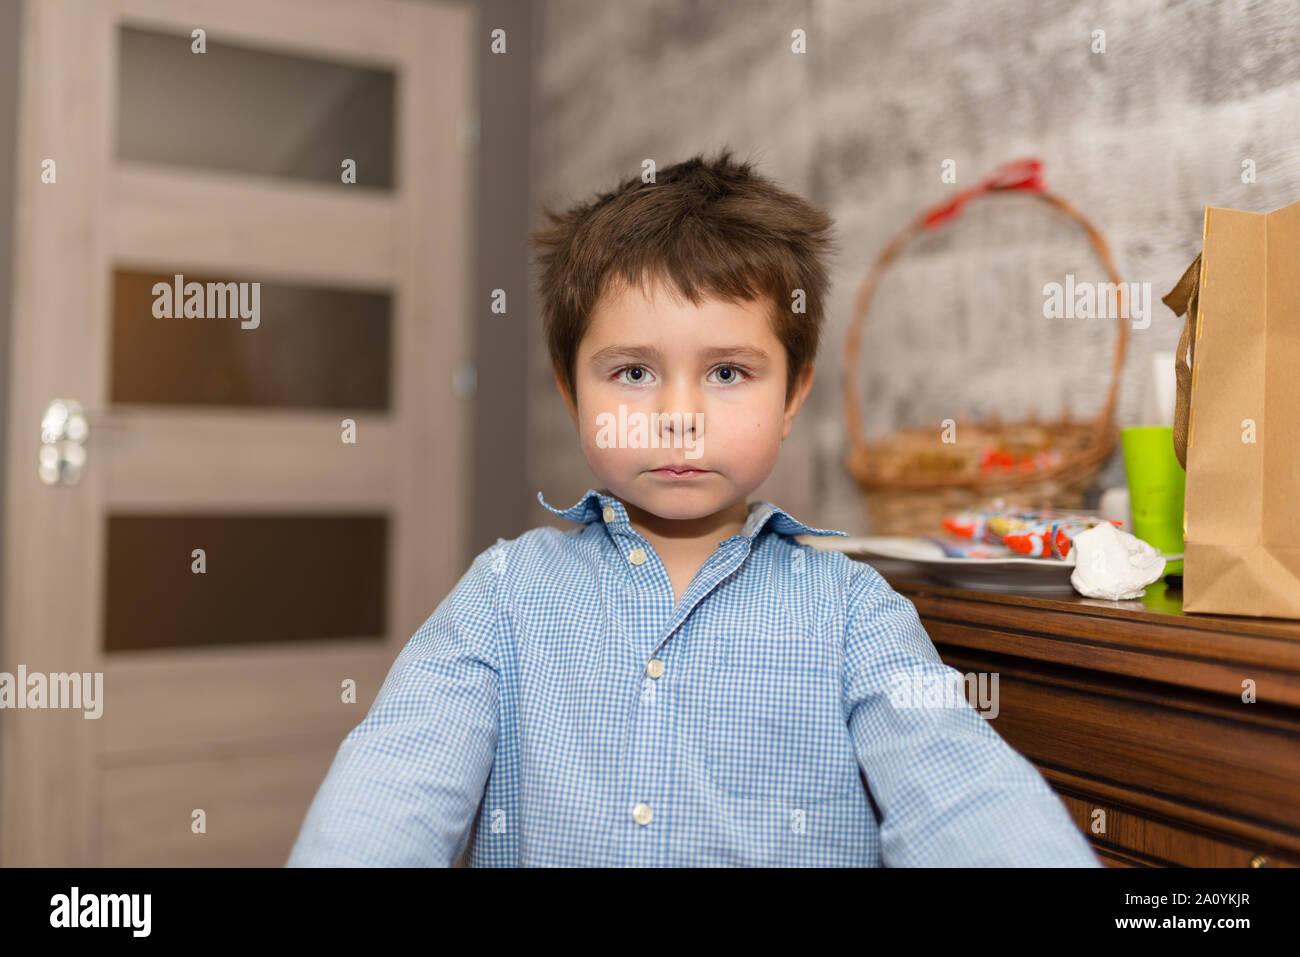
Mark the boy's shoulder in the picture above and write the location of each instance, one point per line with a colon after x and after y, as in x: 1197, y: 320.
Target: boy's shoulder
x: 833, y: 564
x: 536, y: 550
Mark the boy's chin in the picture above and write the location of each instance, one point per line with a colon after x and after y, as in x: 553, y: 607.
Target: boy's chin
x: 682, y: 501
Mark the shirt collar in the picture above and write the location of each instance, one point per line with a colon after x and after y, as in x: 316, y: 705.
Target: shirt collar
x: 592, y: 507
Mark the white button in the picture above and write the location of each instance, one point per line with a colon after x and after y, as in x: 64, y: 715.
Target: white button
x: 608, y: 513
x: 642, y: 814
x: 636, y: 556
x: 655, y: 668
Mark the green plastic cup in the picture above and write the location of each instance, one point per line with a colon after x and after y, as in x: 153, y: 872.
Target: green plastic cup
x: 1156, y: 483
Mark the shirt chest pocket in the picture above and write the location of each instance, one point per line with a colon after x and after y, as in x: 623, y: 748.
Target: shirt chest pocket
x: 775, y: 726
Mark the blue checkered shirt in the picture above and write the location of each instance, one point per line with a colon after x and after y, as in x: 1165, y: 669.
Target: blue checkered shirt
x: 560, y: 708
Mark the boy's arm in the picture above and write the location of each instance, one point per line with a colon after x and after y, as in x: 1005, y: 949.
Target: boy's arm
x: 951, y: 792
x: 406, y: 783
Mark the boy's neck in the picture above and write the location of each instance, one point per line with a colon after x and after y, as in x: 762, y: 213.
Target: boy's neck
x: 687, y: 536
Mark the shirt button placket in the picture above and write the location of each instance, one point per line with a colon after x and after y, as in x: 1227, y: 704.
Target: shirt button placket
x: 647, y: 731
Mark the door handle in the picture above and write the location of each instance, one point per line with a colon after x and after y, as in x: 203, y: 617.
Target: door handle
x: 64, y: 431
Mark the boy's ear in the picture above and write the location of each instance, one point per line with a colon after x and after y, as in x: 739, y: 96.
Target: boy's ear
x: 802, y: 383
x: 564, y: 394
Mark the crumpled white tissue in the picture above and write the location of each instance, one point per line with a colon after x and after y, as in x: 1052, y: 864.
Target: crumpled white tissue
x: 1110, y: 563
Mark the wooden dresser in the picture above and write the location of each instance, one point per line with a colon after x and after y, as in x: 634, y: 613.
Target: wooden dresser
x: 1134, y: 709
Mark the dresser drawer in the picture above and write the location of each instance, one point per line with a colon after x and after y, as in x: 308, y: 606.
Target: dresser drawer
x: 1127, y: 835
x: 1183, y: 778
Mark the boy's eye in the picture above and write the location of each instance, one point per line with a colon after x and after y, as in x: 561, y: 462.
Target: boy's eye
x: 635, y: 374
x: 728, y: 374
x: 638, y: 375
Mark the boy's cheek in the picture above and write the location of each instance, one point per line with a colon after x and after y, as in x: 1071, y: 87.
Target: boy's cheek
x: 611, y: 458
x: 744, y: 428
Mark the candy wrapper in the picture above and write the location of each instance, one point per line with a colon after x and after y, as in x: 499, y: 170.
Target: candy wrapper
x: 1034, y: 533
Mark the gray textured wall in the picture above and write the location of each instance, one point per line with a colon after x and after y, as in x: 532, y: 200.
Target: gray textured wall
x: 501, y: 506
x: 1141, y: 137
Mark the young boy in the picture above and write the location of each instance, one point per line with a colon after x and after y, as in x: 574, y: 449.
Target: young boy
x: 678, y: 681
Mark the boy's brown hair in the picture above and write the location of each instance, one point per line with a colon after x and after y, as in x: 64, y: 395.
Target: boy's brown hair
x: 709, y: 229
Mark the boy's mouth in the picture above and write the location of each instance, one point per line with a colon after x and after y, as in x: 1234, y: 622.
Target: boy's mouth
x: 678, y: 472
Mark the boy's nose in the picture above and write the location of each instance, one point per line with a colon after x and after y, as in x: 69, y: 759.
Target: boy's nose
x: 673, y: 420
x: 678, y: 405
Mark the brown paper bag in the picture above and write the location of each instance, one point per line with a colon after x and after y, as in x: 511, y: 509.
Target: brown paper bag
x: 1237, y: 418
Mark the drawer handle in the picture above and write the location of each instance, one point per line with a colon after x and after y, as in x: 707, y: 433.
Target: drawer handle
x: 1259, y: 860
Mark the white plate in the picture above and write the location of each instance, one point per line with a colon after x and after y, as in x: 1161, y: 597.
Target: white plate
x: 901, y: 553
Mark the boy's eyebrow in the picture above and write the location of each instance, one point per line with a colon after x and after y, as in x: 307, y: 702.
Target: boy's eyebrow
x: 609, y: 353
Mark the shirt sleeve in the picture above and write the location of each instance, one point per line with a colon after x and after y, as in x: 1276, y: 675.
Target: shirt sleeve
x: 950, y: 791
x: 406, y: 783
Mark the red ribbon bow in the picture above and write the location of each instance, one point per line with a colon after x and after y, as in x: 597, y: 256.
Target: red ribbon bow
x: 1018, y: 174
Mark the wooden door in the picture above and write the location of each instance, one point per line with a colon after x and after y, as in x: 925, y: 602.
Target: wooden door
x: 227, y: 555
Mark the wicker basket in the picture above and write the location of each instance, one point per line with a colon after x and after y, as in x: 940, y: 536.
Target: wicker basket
x: 911, y: 479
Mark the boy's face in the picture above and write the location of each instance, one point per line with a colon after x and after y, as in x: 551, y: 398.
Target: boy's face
x: 719, y: 367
